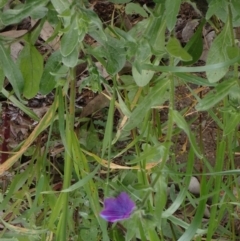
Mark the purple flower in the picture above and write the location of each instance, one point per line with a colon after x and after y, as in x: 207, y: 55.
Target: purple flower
x: 119, y: 208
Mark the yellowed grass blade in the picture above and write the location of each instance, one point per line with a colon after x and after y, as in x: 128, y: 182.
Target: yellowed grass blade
x: 116, y: 166
x: 43, y: 124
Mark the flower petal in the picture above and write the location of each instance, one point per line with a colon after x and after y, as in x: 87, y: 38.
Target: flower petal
x: 119, y: 208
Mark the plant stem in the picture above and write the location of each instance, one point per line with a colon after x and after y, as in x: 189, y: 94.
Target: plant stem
x: 169, y: 132
x: 68, y: 164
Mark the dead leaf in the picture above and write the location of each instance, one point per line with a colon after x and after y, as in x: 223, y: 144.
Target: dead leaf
x: 97, y: 103
x: 208, y: 39
x: 189, y: 29
x: 40, y: 111
x: 13, y: 33
x: 15, y: 48
x: 112, y: 165
x: 46, y: 32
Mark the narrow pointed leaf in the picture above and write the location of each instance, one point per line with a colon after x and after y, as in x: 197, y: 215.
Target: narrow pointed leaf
x: 175, y: 49
x: 215, y: 95
x: 53, y: 64
x: 134, y: 8
x: 218, y: 53
x: 31, y: 66
x: 182, y: 124
x: 11, y: 71
x: 72, y: 59
x: 172, y: 9
x: 70, y: 39
x: 144, y: 77
x: 12, y: 16
x: 60, y: 5
x: 157, y: 95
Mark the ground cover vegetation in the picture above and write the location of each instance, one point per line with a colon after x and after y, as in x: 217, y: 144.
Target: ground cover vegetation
x: 120, y: 120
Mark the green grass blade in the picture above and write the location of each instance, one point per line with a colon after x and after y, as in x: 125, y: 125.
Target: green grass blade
x: 90, y: 186
x: 181, y: 123
x: 18, y: 104
x: 197, y: 220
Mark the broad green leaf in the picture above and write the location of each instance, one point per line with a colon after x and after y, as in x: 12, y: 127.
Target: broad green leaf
x: 145, y: 76
x: 182, y: 124
x: 2, y: 3
x: 218, y: 53
x: 236, y: 5
x: 157, y: 95
x: 39, y: 12
x: 11, y: 71
x: 95, y: 28
x: 142, y: 54
x: 60, y: 5
x: 12, y: 16
x: 53, y: 64
x: 236, y: 13
x: 172, y: 9
x: 94, y: 81
x: 234, y: 95
x: 155, y: 33
x: 175, y: 49
x: 195, y: 45
x: 112, y: 54
x: 115, y: 55
x: 216, y: 95
x: 91, y: 18
x: 122, y: 34
x: 31, y: 66
x: 139, y: 29
x: 142, y: 50
x: 134, y: 8
x: 2, y: 76
x: 233, y: 52
x: 218, y: 8
x: 70, y: 39
x: 52, y: 18
x: 72, y: 59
